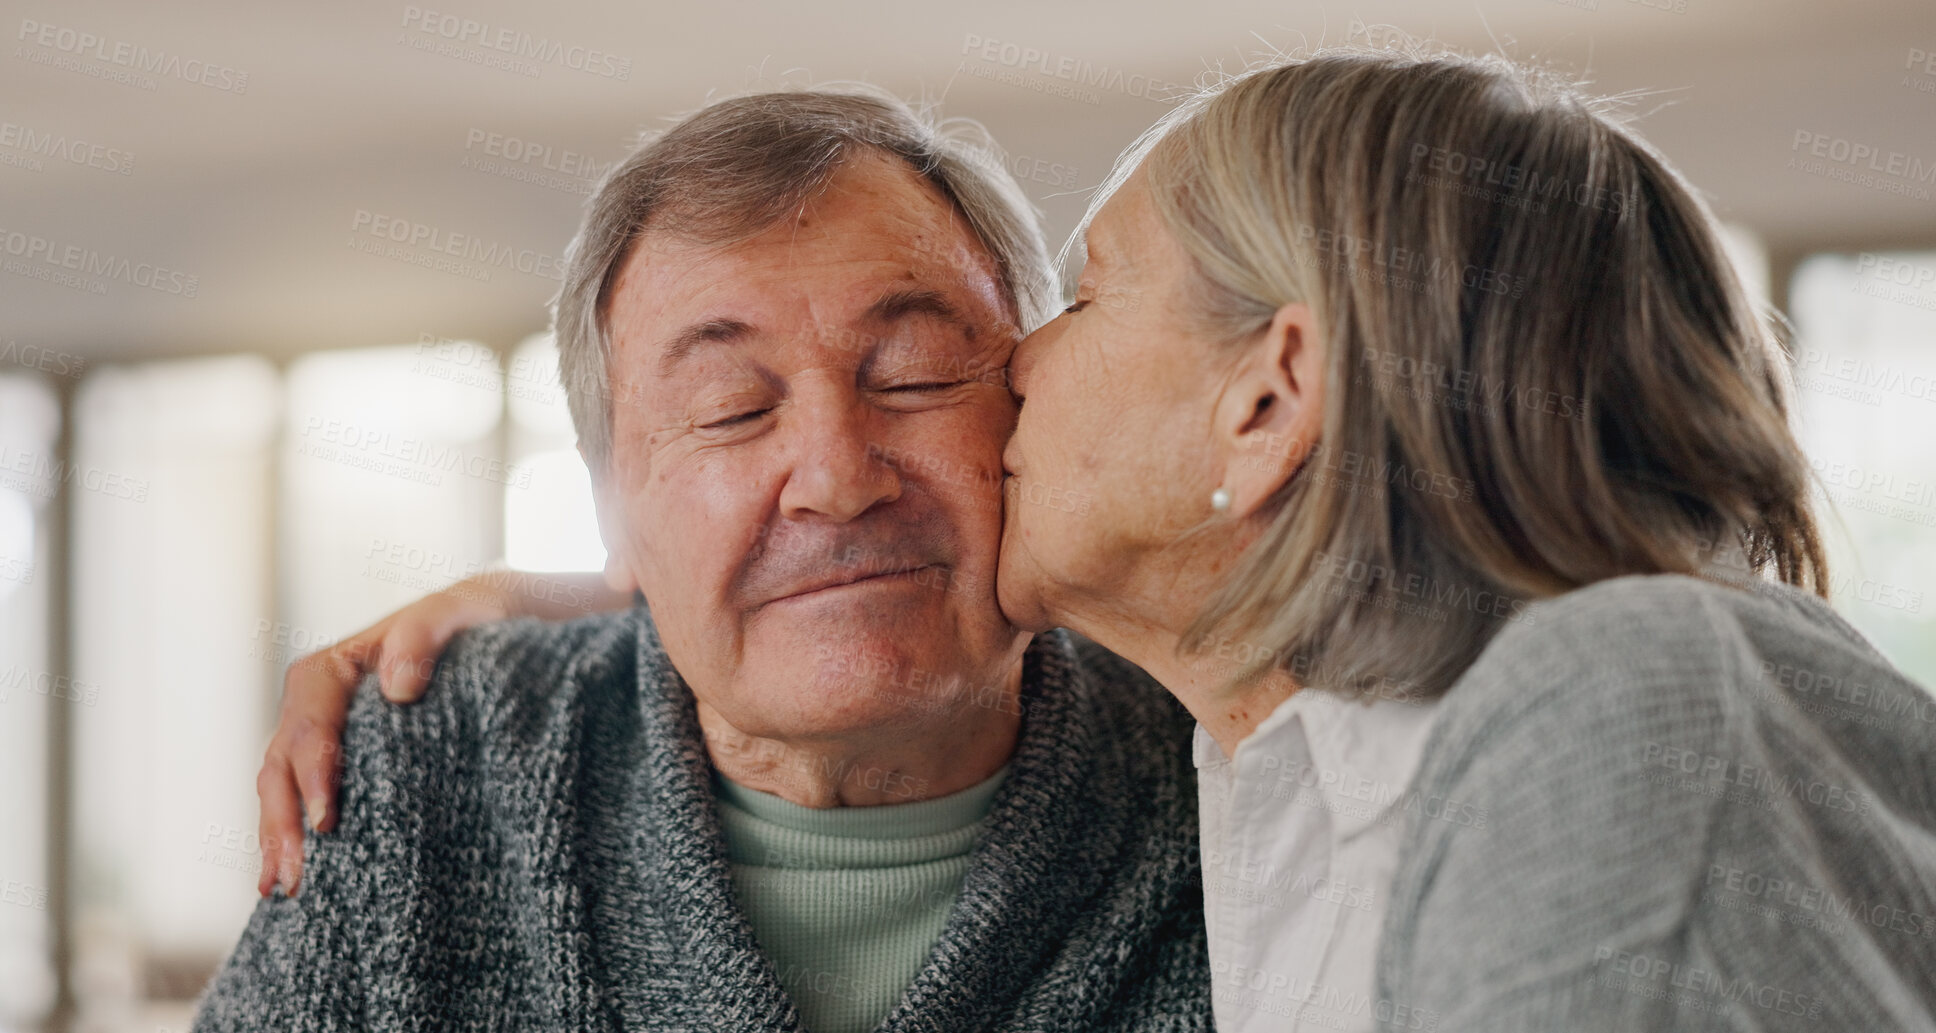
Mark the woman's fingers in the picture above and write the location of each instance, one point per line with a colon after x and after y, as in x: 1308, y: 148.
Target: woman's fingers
x: 316, y: 752
x: 302, y: 768
x: 315, y: 702
x: 414, y: 637
x: 275, y: 786
x: 410, y: 652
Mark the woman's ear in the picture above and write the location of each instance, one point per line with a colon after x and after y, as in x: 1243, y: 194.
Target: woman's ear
x: 1271, y: 410
x: 618, y: 570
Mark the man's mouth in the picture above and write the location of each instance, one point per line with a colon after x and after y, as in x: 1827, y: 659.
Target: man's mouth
x: 854, y: 579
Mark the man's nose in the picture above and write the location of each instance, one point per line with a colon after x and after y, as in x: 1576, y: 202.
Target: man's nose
x: 838, y: 471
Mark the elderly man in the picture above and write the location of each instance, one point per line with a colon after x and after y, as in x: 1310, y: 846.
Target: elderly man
x: 817, y: 781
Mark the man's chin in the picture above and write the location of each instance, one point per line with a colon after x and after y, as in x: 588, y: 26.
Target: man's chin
x: 819, y: 710
x: 869, y: 649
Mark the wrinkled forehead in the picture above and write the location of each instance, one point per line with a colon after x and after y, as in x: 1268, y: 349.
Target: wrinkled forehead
x: 1119, y: 222
x: 837, y: 266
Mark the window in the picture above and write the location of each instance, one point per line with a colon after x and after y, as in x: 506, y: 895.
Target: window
x: 1865, y: 400
x: 170, y: 495
x: 550, y: 525
x: 29, y: 427
x: 392, y: 481
x: 228, y: 518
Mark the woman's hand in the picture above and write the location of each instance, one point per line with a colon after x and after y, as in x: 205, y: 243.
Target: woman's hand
x: 303, y: 764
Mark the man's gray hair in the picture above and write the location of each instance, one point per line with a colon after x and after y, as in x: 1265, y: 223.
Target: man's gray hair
x: 740, y: 166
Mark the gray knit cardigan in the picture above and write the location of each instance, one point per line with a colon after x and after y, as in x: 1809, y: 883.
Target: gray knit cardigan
x: 535, y: 846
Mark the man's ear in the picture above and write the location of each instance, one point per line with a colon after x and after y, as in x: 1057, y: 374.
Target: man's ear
x: 1272, y: 409
x: 618, y: 570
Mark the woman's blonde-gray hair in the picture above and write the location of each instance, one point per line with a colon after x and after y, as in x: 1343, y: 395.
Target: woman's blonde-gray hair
x: 1543, y: 369
x: 741, y: 165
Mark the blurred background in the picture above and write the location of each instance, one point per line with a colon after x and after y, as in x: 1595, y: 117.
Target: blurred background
x: 273, y: 285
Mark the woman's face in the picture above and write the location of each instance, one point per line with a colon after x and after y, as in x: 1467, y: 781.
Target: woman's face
x: 1112, y: 457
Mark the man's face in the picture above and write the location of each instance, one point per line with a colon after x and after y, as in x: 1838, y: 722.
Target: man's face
x: 805, y: 478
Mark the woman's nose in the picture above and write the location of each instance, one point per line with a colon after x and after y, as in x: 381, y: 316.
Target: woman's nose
x: 1023, y: 360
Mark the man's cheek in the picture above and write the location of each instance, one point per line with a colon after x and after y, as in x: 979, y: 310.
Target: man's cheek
x: 971, y: 491
x: 688, y: 587
x: 667, y: 548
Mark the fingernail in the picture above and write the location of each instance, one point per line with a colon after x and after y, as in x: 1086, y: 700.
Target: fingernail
x: 316, y: 812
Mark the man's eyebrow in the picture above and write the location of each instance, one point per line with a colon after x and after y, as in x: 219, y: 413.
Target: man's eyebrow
x: 892, y: 307
x: 690, y: 339
x: 898, y: 304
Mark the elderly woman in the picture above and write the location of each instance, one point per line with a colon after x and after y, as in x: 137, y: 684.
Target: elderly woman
x: 1438, y: 462
x: 1439, y: 465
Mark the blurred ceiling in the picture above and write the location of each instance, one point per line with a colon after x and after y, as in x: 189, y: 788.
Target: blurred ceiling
x: 263, y: 148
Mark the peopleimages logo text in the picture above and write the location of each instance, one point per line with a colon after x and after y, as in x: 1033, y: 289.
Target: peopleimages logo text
x: 514, y: 43
x: 486, y: 254
x: 89, y: 262
x: 1867, y: 156
x: 31, y: 143
x: 122, y: 54
x: 1069, y: 69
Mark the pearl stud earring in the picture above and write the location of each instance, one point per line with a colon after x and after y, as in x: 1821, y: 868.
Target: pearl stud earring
x: 1220, y: 500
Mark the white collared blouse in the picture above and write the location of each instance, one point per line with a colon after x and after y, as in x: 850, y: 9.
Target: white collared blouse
x: 1301, y: 832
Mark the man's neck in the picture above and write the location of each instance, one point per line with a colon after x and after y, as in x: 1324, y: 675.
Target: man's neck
x: 961, y: 745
